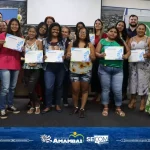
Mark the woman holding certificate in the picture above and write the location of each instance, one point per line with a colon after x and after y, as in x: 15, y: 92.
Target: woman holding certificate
x: 139, y: 67
x: 9, y: 67
x: 82, y: 54
x: 54, y: 67
x: 99, y: 34
x: 110, y: 71
x: 32, y: 66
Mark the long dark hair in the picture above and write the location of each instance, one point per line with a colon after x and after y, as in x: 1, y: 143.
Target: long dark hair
x: 124, y: 31
x: 101, y: 24
x: 49, y: 38
x: 87, y: 39
x: 38, y: 28
x: 18, y: 33
x: 76, y: 29
x: 117, y: 39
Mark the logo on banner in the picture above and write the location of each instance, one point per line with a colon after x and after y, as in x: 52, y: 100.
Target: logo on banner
x: 46, y: 138
x: 98, y: 139
x: 73, y: 138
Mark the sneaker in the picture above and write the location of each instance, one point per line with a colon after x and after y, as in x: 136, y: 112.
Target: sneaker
x: 13, y: 110
x: 3, y: 114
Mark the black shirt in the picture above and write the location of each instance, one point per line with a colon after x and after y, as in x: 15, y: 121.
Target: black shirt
x: 131, y: 33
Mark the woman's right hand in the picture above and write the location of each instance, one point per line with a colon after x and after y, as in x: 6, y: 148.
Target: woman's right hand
x: 2, y: 42
x: 68, y: 55
x: 44, y: 57
x: 101, y: 55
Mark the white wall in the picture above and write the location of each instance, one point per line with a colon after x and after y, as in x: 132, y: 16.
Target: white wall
x: 66, y: 12
x: 140, y: 4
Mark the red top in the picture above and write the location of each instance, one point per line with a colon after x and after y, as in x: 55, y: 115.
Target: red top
x: 9, y: 59
x: 97, y: 38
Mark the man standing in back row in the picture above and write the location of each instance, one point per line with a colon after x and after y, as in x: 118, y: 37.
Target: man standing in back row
x: 133, y: 22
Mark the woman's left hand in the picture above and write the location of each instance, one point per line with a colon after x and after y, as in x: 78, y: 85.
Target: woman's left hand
x: 145, y: 55
x: 92, y: 57
x: 125, y: 56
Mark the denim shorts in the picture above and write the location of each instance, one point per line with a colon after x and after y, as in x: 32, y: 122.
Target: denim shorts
x: 74, y: 77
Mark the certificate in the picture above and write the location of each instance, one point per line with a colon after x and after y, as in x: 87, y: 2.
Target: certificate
x: 14, y: 42
x: 54, y: 56
x: 137, y: 55
x: 114, y: 52
x: 80, y: 54
x: 92, y: 38
x: 32, y: 56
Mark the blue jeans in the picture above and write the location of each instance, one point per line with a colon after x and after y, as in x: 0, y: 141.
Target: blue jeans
x: 111, y: 78
x: 8, y: 84
x: 54, y: 75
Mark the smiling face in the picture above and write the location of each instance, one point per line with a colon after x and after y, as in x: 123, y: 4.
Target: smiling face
x: 141, y: 30
x: 82, y: 34
x: 112, y: 34
x: 55, y: 31
x: 133, y: 21
x: 65, y: 32
x: 14, y: 26
x: 120, y: 26
x: 4, y: 27
x: 32, y: 33
x: 98, y: 25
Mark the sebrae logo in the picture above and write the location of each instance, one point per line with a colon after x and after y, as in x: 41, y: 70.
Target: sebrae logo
x: 73, y: 138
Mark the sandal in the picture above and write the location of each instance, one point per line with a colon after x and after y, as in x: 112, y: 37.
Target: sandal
x: 37, y: 110
x: 30, y: 111
x: 120, y: 113
x: 105, y: 112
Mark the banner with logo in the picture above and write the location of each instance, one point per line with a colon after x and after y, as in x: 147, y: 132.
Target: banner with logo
x: 74, y: 138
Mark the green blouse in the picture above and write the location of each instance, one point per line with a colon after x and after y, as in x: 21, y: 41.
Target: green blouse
x: 110, y: 63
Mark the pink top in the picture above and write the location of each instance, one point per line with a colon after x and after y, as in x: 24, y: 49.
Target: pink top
x: 9, y: 59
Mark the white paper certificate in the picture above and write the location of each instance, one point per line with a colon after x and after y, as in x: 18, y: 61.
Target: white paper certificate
x: 32, y: 56
x: 80, y: 54
x: 54, y: 56
x: 14, y: 42
x: 114, y: 52
x: 137, y: 55
x: 92, y: 38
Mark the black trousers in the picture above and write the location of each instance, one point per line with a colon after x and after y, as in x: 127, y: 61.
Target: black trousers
x: 31, y: 78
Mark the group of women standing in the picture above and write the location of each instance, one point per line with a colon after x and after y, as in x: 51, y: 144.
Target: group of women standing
x: 105, y: 76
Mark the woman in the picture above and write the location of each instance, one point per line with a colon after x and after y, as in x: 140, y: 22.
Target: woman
x: 99, y: 34
x: 111, y: 71
x: 42, y: 30
x: 54, y: 72
x: 121, y: 26
x: 49, y: 20
x: 139, y: 71
x: 65, y: 35
x: 1, y: 17
x: 32, y: 70
x: 41, y: 34
x: 4, y: 26
x: 9, y: 66
x: 80, y: 72
x: 79, y: 25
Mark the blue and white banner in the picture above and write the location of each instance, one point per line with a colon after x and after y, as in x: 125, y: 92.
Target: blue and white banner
x: 74, y: 138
